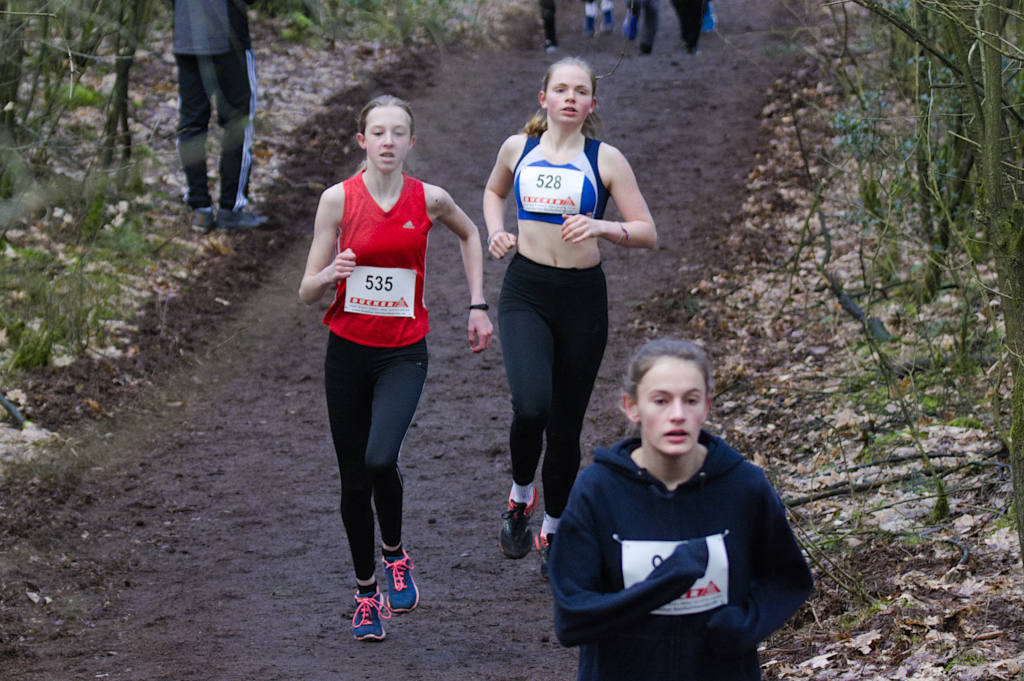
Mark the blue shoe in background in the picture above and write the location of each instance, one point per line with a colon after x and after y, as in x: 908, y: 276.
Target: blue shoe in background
x: 708, y: 22
x: 629, y: 27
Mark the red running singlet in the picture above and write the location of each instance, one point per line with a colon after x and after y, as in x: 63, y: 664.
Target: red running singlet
x: 396, y: 238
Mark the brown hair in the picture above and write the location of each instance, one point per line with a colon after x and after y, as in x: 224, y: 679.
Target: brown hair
x: 651, y: 352
x: 386, y: 100
x: 376, y: 103
x: 538, y: 123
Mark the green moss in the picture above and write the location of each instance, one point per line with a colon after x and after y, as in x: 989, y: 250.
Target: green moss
x: 966, y: 422
x: 78, y: 96
x: 972, y: 657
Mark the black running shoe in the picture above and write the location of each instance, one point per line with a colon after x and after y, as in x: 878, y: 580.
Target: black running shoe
x: 516, y: 536
x: 543, y: 543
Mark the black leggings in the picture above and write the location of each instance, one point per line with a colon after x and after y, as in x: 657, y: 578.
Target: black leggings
x: 372, y: 394
x: 554, y: 325
x: 691, y: 15
x: 547, y: 15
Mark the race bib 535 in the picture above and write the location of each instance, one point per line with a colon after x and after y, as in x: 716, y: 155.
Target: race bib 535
x: 382, y: 291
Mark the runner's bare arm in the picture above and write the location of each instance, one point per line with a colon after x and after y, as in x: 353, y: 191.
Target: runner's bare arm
x: 499, y: 241
x: 441, y: 207
x: 324, y: 267
x: 636, y: 230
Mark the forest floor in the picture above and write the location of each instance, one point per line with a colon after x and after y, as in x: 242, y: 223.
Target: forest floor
x: 197, y: 536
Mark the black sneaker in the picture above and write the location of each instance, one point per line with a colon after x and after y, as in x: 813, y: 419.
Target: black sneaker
x: 203, y: 219
x: 516, y: 535
x: 543, y: 543
x: 239, y: 220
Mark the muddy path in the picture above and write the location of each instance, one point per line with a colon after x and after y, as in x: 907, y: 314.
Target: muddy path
x: 208, y: 544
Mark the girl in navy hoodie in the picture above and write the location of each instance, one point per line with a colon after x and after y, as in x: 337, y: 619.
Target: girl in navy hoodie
x: 674, y: 556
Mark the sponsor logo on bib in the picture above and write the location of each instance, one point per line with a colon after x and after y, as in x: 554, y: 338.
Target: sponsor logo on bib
x: 544, y: 189
x: 381, y: 291
x: 640, y: 557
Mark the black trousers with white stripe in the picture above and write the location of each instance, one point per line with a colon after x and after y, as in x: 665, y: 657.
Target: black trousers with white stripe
x: 228, y: 81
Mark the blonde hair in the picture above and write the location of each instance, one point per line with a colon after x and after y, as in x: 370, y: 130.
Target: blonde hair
x: 538, y: 123
x: 649, y: 354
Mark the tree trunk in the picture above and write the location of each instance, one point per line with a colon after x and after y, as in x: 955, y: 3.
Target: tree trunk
x: 1002, y: 216
x: 116, y: 133
x: 11, y: 57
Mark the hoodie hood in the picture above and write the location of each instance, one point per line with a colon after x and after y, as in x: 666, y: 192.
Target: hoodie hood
x: 720, y: 460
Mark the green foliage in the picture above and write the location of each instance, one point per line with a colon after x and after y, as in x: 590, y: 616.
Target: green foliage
x: 277, y: 8
x: 52, y: 308
x: 299, y: 28
x: 78, y: 95
x: 15, y: 180
x: 972, y: 657
x: 31, y: 348
x: 967, y: 422
x: 859, y: 129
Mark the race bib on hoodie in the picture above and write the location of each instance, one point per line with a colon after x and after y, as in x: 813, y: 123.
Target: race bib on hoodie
x: 640, y: 557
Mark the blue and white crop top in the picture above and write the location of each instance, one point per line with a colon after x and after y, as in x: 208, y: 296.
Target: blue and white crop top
x: 546, y: 191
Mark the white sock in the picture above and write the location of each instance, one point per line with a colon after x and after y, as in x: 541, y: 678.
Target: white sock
x: 522, y: 494
x: 550, y: 525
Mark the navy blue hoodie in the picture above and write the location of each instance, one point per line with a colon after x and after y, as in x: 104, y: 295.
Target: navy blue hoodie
x: 674, y: 585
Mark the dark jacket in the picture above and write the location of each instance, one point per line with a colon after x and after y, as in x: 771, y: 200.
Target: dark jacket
x: 727, y: 571
x: 204, y: 27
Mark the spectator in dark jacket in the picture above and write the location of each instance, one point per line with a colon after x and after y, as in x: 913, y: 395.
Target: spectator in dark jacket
x: 214, y: 55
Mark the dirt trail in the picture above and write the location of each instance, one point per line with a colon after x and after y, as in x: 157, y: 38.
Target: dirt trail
x: 214, y: 531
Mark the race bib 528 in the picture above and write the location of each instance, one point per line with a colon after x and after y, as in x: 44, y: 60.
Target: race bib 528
x: 551, y: 190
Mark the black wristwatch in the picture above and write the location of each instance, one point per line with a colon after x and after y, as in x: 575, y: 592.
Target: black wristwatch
x: 479, y: 306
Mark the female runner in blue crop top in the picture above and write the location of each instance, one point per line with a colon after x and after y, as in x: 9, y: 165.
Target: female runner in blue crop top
x: 553, y: 308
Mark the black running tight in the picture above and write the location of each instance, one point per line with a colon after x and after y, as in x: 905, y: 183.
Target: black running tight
x: 554, y: 325
x: 372, y: 394
x: 691, y: 15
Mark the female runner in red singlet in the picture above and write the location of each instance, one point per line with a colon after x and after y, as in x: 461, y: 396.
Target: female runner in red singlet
x: 369, y: 246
